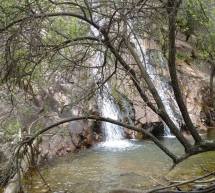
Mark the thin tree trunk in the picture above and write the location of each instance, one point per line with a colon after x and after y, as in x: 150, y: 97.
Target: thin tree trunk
x: 161, y: 109
x: 172, y: 7
x: 212, y: 83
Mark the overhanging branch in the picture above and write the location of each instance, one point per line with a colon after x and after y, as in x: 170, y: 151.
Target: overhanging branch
x: 152, y: 137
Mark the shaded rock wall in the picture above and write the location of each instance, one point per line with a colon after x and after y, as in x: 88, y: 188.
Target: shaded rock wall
x: 70, y: 137
x: 193, y: 83
x: 208, y: 111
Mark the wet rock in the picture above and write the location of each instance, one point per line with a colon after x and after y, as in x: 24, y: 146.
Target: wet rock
x: 76, y: 139
x: 69, y: 138
x: 57, y: 145
x: 77, y: 127
x: 143, y: 114
x: 139, y: 135
x: 89, y: 140
x: 130, y: 134
x: 156, y: 128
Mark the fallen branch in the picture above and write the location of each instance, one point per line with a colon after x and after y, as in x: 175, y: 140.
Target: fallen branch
x: 160, y: 190
x: 197, y: 182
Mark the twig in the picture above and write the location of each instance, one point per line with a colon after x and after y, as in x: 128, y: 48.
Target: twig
x: 182, y: 183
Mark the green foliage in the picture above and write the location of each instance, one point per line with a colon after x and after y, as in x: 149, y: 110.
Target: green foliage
x: 192, y: 18
x: 31, y: 46
x: 64, y: 28
x: 11, y: 127
x: 197, y: 18
x: 181, y: 56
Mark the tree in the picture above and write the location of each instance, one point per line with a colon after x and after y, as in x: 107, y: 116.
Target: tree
x: 172, y: 8
x: 44, y: 36
x: 198, y: 21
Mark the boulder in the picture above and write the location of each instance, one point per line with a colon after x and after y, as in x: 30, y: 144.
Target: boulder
x: 156, y: 128
x: 57, y: 145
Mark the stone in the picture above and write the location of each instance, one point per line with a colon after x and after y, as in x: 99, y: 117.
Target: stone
x: 58, y: 145
x: 156, y: 128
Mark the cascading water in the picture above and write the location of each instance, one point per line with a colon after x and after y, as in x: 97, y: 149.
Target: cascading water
x: 109, y: 109
x: 114, y: 134
x: 165, y: 91
x: 162, y: 84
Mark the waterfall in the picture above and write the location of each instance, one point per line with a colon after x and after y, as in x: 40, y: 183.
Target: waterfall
x: 106, y: 103
x: 114, y: 134
x: 161, y: 83
x: 165, y: 91
x: 107, y: 106
x: 108, y: 109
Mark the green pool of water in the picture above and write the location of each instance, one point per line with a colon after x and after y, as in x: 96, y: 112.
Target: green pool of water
x: 98, y: 170
x: 195, y: 166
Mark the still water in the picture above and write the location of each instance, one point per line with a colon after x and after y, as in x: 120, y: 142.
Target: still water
x: 136, y: 165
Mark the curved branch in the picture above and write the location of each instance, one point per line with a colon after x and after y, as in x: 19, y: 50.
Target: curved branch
x: 46, y: 15
x: 152, y: 137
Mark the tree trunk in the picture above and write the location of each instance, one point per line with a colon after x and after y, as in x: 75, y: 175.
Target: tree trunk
x: 161, y: 109
x: 212, y: 84
x: 172, y: 7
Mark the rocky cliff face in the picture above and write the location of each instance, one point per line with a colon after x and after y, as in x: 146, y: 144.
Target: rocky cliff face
x: 68, y: 138
x: 194, y: 84
x: 47, y: 107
